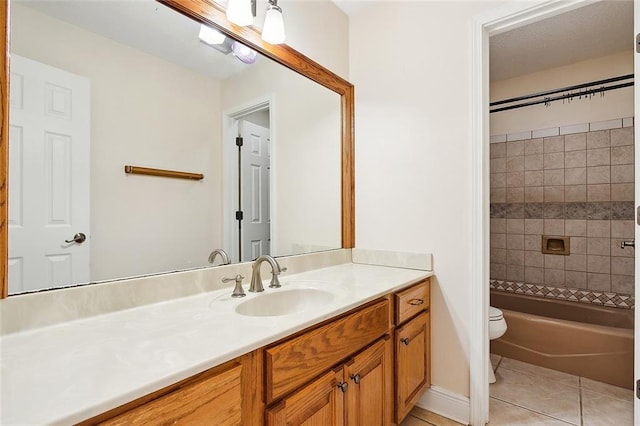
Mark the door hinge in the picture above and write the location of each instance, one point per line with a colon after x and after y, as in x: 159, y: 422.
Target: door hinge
x: 239, y: 215
x: 638, y: 42
x: 638, y: 215
x: 638, y: 389
x: 239, y: 141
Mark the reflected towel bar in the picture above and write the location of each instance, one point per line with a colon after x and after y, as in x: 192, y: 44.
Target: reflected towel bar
x: 137, y: 170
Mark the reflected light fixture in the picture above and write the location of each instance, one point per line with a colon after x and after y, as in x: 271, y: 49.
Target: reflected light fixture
x: 211, y: 35
x: 242, y: 12
x: 244, y: 53
x: 273, y: 31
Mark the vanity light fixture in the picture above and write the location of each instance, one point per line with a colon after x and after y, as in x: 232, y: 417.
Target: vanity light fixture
x: 210, y: 35
x: 273, y: 31
x: 242, y: 12
x: 243, y: 53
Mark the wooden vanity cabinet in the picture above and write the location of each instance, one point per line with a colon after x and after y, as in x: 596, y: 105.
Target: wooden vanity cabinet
x: 357, y: 392
x: 353, y: 355
x: 369, y: 376
x: 224, y: 395
x: 412, y: 347
x: 319, y: 403
x: 355, y: 369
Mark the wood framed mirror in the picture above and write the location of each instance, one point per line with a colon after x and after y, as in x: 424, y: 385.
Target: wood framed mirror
x: 207, y: 12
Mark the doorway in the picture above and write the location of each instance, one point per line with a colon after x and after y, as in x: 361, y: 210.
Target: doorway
x: 497, y: 22
x: 247, y: 190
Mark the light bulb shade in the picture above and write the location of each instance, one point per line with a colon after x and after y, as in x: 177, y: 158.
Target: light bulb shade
x: 239, y: 12
x: 243, y: 53
x: 211, y: 35
x: 273, y: 31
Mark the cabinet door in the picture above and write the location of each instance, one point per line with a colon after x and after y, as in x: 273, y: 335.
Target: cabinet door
x: 412, y: 363
x: 370, y: 393
x: 320, y: 403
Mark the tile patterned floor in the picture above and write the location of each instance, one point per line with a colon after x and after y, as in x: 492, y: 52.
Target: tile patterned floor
x: 526, y: 394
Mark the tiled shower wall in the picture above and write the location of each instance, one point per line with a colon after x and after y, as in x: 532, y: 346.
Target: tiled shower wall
x: 579, y: 185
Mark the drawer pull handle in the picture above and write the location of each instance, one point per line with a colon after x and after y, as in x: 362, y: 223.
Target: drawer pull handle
x: 416, y: 302
x: 405, y: 340
x: 343, y: 386
x: 355, y: 378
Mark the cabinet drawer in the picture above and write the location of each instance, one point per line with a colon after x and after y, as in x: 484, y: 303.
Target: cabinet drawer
x: 412, y: 301
x: 216, y: 399
x: 296, y: 361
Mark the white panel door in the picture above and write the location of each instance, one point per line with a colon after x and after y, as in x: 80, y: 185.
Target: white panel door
x: 49, y: 173
x: 255, y: 191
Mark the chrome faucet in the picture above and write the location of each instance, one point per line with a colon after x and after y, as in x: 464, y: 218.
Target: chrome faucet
x: 256, y: 279
x: 223, y: 255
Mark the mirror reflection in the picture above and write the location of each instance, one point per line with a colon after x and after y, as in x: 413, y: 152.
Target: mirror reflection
x: 99, y: 85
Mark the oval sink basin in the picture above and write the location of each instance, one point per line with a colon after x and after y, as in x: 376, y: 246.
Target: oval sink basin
x: 284, y: 302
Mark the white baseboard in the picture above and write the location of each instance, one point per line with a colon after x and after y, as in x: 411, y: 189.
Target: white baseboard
x: 446, y: 403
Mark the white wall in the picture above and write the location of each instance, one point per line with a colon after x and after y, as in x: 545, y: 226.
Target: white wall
x: 147, y: 112
x: 305, y: 154
x: 615, y: 104
x: 410, y: 64
x: 316, y: 28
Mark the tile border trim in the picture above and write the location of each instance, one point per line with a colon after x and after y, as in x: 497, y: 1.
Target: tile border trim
x: 609, y: 299
x: 564, y: 130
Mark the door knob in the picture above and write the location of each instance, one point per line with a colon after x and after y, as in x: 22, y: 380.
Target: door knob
x: 78, y: 238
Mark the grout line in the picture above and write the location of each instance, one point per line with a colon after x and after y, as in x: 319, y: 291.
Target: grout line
x: 580, y: 396
x: 533, y: 374
x: 498, y: 365
x: 533, y: 411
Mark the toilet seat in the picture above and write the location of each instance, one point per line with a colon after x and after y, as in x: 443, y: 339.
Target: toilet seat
x: 495, y: 314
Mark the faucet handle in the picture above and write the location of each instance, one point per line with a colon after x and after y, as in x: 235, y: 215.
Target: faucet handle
x: 275, y: 282
x: 237, y: 291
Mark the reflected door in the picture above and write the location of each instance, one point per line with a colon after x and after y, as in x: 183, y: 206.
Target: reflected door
x: 48, y: 176
x: 255, y: 229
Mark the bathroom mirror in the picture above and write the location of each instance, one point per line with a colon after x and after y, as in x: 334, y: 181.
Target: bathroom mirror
x: 189, y: 214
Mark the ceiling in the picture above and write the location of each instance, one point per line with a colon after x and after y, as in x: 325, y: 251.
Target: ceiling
x: 591, y: 31
x: 352, y: 7
x: 145, y: 25
x: 153, y: 28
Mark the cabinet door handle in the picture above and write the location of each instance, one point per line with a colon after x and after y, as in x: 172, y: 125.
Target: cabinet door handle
x: 343, y: 386
x: 405, y: 340
x: 355, y: 378
x: 416, y: 302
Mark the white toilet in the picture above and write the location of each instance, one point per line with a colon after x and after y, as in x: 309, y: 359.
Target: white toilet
x: 497, y: 327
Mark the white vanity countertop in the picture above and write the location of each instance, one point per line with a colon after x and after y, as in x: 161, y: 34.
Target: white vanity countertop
x: 70, y: 372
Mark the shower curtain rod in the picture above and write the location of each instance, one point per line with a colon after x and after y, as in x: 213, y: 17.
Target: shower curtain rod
x: 547, y: 99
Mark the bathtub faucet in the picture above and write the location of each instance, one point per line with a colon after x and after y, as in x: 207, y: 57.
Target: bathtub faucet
x: 624, y: 244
